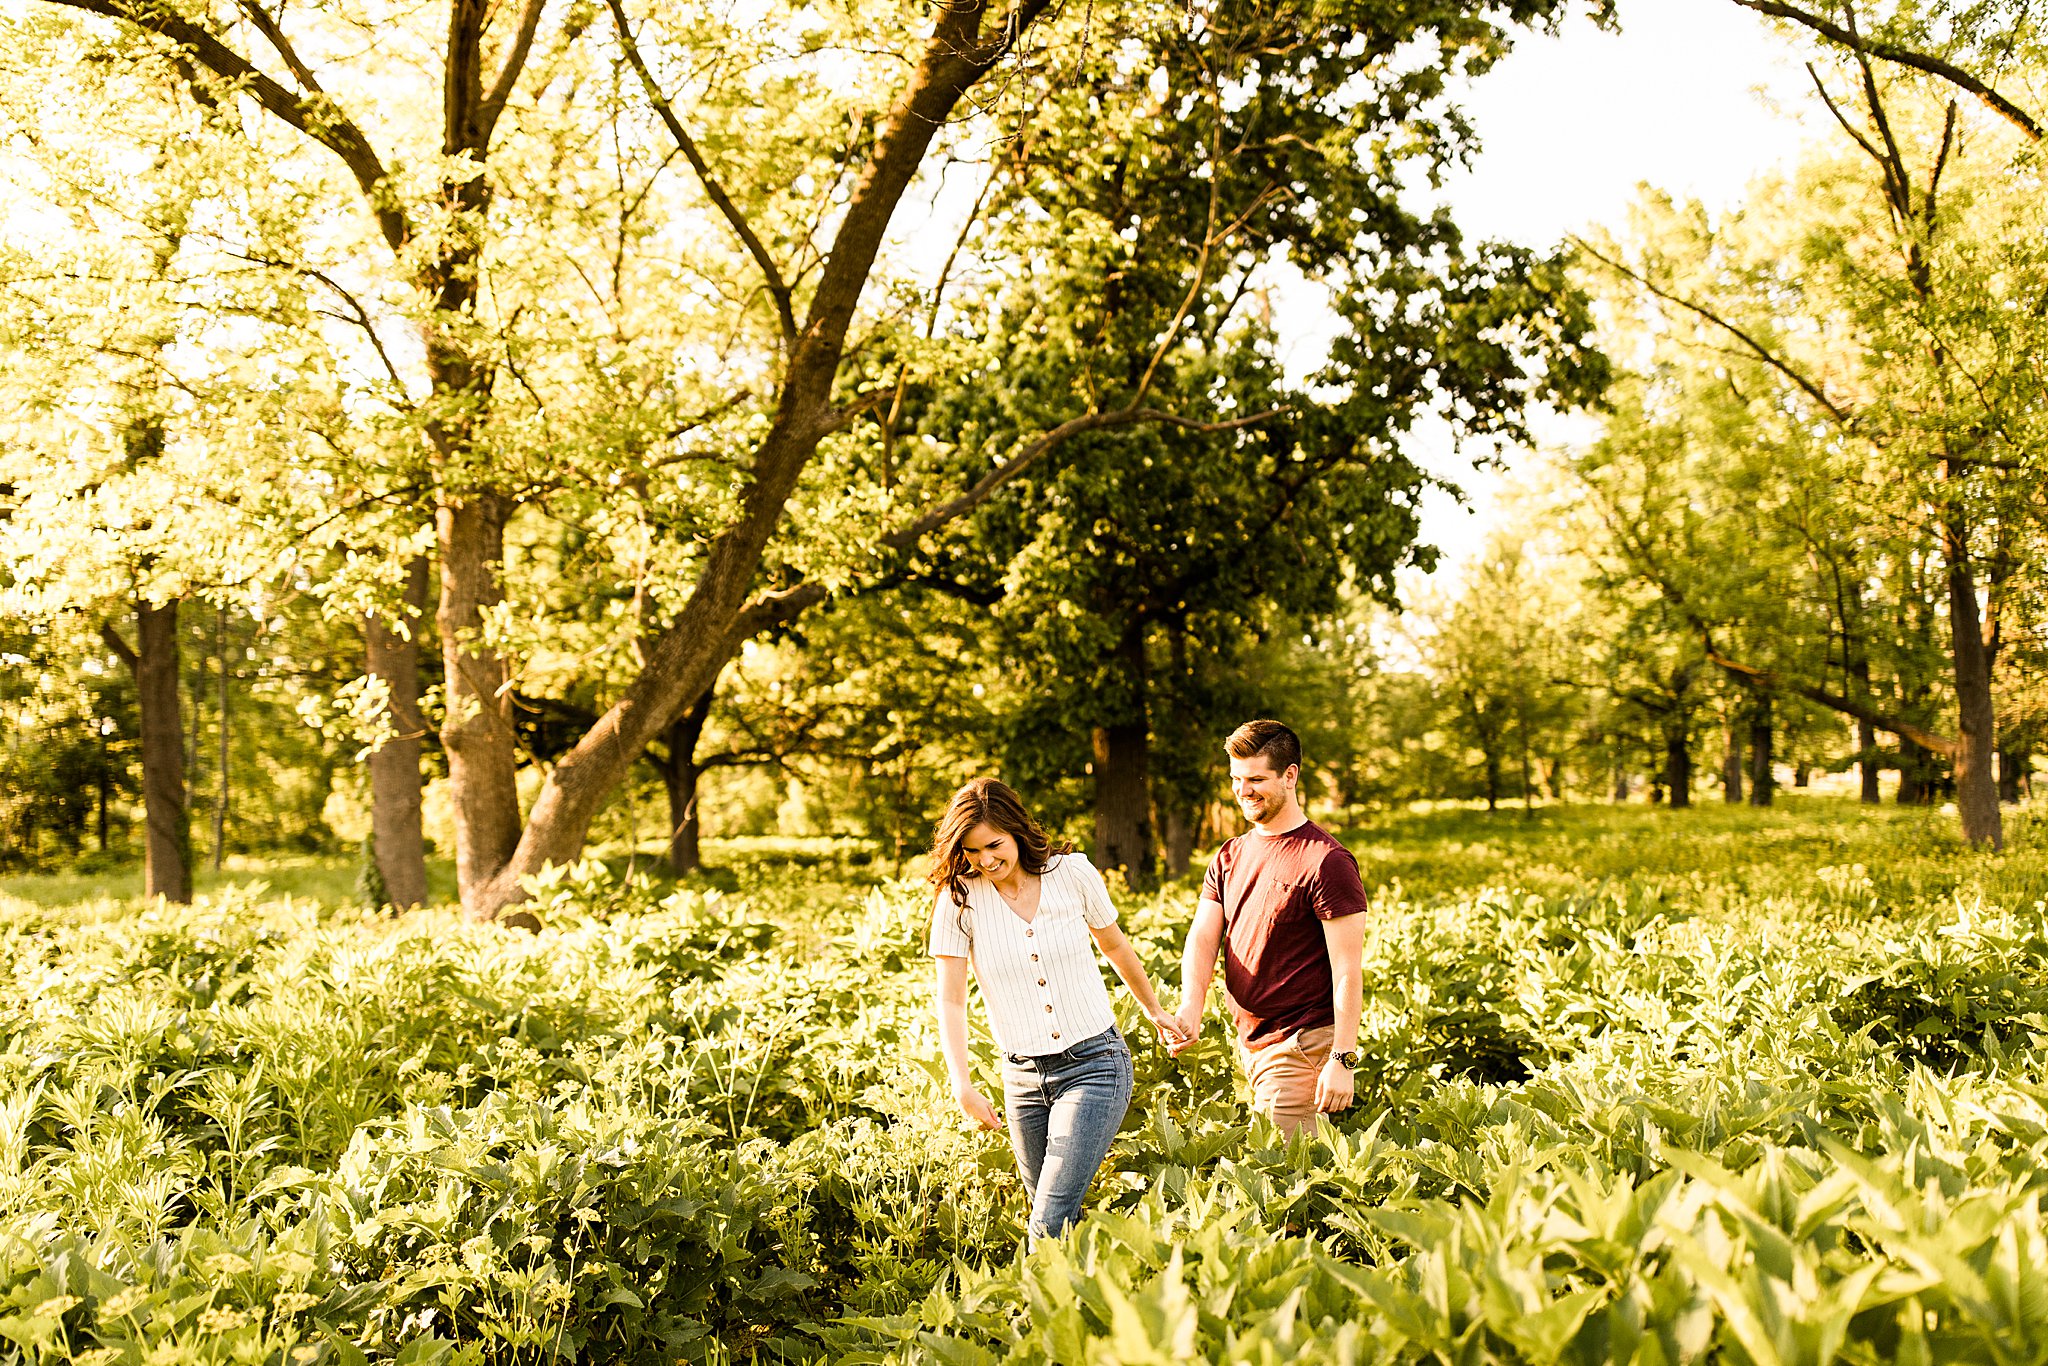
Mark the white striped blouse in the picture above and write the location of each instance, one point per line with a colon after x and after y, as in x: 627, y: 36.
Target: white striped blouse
x: 1040, y: 980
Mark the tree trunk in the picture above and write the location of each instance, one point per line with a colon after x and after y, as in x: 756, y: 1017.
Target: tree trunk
x: 679, y: 776
x: 1869, y: 763
x: 1123, y: 821
x: 1976, y: 726
x: 1175, y: 811
x: 104, y: 778
x: 2013, y: 774
x: 1678, y: 761
x: 483, y: 765
x: 1731, y: 766
x: 222, y: 786
x: 167, y: 851
x: 391, y: 652
x: 1916, y: 775
x: 1528, y: 793
x: 1763, y: 784
x: 1123, y: 778
x: 1177, y: 837
x: 1802, y: 776
x: 1620, y: 790
x: 1492, y: 778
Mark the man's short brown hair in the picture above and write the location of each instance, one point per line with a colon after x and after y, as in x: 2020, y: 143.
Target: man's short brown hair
x: 1280, y: 746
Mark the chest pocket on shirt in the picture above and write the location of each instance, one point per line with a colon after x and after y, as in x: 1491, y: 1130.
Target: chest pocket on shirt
x: 1276, y: 899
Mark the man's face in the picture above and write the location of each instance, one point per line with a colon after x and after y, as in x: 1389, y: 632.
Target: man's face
x: 1261, y: 793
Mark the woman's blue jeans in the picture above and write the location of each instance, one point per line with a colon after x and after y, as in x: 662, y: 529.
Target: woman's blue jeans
x: 1064, y: 1109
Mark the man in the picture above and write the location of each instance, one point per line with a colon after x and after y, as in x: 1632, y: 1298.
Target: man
x: 1284, y: 903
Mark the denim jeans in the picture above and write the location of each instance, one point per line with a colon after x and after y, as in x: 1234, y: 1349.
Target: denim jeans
x: 1063, y: 1111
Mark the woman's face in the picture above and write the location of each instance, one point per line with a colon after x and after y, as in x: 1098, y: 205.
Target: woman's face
x: 990, y: 852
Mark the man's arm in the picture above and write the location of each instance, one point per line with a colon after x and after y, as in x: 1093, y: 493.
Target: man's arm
x: 1344, y: 937
x: 1198, y: 969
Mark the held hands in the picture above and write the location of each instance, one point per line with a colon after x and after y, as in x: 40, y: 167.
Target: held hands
x: 1172, y: 1033
x: 1189, y: 1023
x: 975, y: 1106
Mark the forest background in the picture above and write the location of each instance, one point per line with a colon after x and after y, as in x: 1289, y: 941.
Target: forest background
x: 574, y: 428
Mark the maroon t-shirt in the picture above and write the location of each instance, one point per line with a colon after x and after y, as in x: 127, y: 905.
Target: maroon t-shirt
x: 1276, y: 891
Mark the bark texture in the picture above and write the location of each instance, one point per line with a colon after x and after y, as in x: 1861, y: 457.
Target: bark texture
x: 1731, y: 766
x: 1123, y: 801
x: 1919, y: 784
x: 1123, y: 773
x: 680, y: 773
x: 391, y: 650
x: 2014, y: 775
x: 167, y: 852
x: 1176, y: 837
x: 477, y: 732
x: 1869, y: 765
x: 1976, y: 724
x: 1763, y: 782
x: 1678, y: 762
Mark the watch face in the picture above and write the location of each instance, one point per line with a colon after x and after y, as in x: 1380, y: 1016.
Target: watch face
x: 1349, y: 1059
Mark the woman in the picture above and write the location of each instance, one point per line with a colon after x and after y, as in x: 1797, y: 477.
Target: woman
x: 1022, y: 912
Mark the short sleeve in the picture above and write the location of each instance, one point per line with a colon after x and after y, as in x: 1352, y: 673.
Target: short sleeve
x: 1096, y: 907
x: 948, y: 939
x: 1338, y: 890
x: 1212, y: 880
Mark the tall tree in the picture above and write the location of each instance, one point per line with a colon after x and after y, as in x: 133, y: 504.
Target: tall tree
x: 1899, y: 337
x: 1149, y: 205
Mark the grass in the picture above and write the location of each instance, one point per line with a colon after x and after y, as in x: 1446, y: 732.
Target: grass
x: 1911, y: 855
x: 1701, y: 856
x: 330, y: 879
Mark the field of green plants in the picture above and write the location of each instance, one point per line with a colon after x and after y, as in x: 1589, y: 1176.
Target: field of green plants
x: 1643, y: 1086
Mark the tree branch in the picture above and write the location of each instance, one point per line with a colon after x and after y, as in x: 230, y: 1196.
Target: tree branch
x: 1756, y: 348
x: 1905, y: 730
x: 778, y: 288
x: 1828, y: 100
x: 508, y: 74
x: 357, y: 314
x: 779, y: 606
x: 119, y: 646
x: 984, y: 488
x: 273, y: 33
x: 314, y: 115
x: 1900, y: 55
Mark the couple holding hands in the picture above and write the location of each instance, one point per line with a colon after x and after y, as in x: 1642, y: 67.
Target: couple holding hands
x: 1282, y: 903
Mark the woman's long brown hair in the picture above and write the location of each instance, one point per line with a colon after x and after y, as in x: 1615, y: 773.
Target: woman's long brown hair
x: 987, y: 801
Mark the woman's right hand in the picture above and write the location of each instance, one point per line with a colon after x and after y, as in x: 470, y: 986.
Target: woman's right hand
x: 975, y: 1106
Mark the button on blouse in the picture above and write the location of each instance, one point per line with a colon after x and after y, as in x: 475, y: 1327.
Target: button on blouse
x: 1041, y: 981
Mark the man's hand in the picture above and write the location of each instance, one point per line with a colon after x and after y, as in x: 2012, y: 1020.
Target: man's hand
x: 1172, y: 1033
x: 975, y: 1106
x: 1334, y: 1087
x: 1190, y: 1022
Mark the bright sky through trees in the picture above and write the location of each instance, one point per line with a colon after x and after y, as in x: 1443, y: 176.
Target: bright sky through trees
x: 1693, y: 96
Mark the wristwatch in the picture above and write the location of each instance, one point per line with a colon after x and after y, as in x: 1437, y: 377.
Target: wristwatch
x: 1348, y: 1059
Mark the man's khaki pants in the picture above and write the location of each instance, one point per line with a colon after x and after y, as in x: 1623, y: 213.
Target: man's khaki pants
x: 1282, y: 1076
